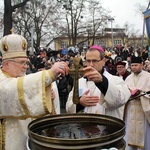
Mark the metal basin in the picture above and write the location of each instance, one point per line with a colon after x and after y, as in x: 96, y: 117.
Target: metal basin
x: 76, y: 131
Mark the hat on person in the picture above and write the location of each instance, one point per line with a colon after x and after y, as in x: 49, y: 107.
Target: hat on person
x: 135, y: 59
x: 40, y: 66
x: 99, y: 48
x: 13, y: 45
x: 120, y: 63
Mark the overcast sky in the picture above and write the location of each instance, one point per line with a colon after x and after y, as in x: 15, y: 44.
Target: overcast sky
x: 125, y: 11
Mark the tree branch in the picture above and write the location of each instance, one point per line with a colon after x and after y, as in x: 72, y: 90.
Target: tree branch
x: 19, y: 5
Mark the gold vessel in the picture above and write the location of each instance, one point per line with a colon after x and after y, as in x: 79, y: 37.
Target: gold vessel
x: 80, y: 131
x: 44, y: 136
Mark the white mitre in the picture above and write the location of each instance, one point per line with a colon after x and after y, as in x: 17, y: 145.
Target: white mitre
x: 12, y: 46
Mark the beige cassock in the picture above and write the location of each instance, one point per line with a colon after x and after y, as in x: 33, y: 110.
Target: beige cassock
x: 137, y: 114
x: 111, y: 104
x: 22, y: 99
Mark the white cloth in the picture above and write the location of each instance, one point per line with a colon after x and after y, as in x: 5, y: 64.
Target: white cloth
x: 56, y: 100
x: 137, y: 113
x: 90, y: 85
x: 113, y: 102
x: 22, y: 98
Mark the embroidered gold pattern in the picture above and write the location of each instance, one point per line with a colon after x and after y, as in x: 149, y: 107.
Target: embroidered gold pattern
x: 24, y: 45
x: 2, y: 133
x: 5, y: 47
x: 43, y: 91
x: 21, y: 96
x: 51, y: 75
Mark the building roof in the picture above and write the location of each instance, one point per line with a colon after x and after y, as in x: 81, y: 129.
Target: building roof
x: 114, y: 29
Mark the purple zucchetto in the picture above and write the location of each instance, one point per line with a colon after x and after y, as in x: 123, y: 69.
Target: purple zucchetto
x: 99, y: 48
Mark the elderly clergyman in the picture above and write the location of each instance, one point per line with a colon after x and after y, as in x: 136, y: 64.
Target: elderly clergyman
x: 23, y: 97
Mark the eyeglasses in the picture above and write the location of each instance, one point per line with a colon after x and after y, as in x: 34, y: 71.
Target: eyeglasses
x: 22, y: 63
x: 120, y: 67
x: 94, y: 61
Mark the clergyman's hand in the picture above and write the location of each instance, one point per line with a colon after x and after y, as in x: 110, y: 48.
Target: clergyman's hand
x: 92, y: 74
x: 59, y: 68
x: 88, y: 100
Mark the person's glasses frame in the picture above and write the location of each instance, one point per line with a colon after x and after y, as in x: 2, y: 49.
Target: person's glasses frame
x: 120, y: 67
x: 22, y: 63
x: 94, y: 61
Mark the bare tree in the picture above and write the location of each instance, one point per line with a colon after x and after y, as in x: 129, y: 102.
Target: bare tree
x: 141, y: 8
x: 42, y: 17
x: 129, y: 32
x: 73, y: 10
x: 85, y: 17
x: 52, y: 20
x: 98, y: 18
x: 8, y: 10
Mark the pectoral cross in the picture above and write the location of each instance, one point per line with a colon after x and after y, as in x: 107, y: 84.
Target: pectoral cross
x: 76, y: 72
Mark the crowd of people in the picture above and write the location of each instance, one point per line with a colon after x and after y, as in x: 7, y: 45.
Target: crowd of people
x: 23, y: 97
x: 38, y: 84
x: 44, y: 58
x: 117, y: 62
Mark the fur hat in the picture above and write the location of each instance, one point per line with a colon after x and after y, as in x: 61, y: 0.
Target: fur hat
x: 136, y: 59
x: 13, y: 45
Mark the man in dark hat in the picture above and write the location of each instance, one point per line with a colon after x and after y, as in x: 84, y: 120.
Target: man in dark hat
x: 137, y: 112
x: 121, y: 70
x: 135, y: 59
